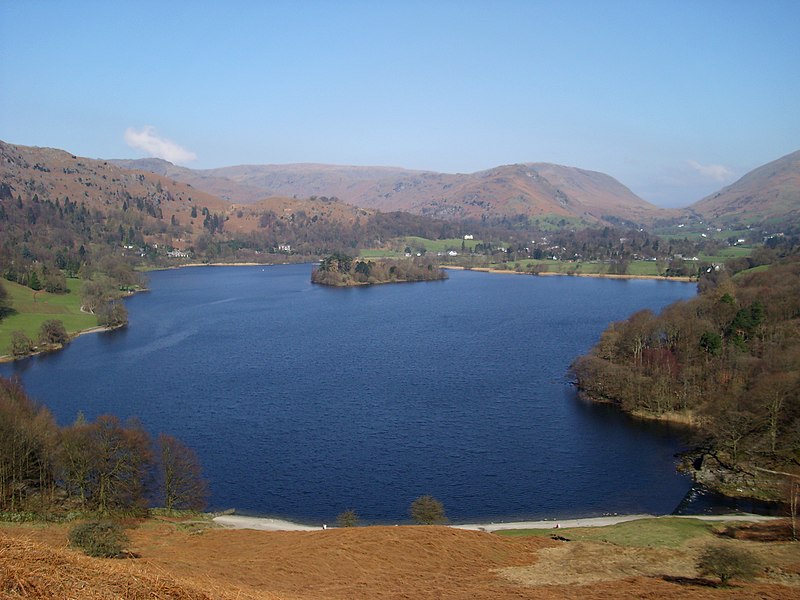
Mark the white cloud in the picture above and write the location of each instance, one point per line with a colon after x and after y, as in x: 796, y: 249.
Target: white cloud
x: 716, y: 172
x: 148, y: 140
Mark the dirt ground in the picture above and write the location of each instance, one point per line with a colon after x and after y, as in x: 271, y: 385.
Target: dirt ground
x: 191, y: 561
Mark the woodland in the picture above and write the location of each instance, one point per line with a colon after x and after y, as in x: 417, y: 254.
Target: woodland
x: 343, y: 270
x: 726, y: 361
x: 104, y: 466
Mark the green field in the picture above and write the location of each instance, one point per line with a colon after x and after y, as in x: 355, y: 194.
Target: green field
x: 32, y: 308
x: 669, y: 532
x: 379, y: 253
x: 726, y: 253
x: 414, y: 242
x: 638, y: 267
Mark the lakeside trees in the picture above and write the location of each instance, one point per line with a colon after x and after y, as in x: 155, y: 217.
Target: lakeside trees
x: 53, y: 331
x: 729, y: 358
x: 5, y: 304
x: 427, y: 510
x: 179, y: 472
x: 103, y: 466
x: 343, y: 270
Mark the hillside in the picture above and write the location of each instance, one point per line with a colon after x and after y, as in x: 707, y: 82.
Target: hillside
x: 218, y: 185
x: 530, y: 190
x: 768, y: 194
x: 727, y: 362
x: 57, y: 208
x: 53, y: 185
x: 646, y: 559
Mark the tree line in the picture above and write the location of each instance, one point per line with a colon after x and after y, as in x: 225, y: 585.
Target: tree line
x: 104, y: 465
x: 728, y: 358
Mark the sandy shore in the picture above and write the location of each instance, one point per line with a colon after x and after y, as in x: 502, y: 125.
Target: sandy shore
x: 260, y: 523
x: 265, y: 524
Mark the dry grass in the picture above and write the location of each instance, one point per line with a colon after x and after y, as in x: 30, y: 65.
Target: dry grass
x: 33, y: 570
x: 583, y: 563
x: 372, y: 562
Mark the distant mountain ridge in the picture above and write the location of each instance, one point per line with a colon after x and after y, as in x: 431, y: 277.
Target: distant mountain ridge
x: 770, y: 193
x: 52, y: 203
x: 529, y: 189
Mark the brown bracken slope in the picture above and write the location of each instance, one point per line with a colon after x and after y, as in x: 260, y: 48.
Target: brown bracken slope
x: 370, y: 562
x: 530, y: 189
x: 769, y: 193
x: 106, y: 188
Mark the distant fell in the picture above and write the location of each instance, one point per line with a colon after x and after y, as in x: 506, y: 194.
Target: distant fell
x: 768, y: 194
x: 529, y: 190
x: 55, y: 203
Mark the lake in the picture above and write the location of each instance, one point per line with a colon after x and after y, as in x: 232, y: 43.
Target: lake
x: 303, y: 401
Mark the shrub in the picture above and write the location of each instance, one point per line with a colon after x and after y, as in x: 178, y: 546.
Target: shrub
x: 52, y: 331
x: 427, y: 510
x: 112, y: 314
x: 348, y: 518
x: 727, y: 562
x: 21, y: 344
x: 104, y: 539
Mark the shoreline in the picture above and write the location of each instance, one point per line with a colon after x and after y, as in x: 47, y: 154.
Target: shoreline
x: 555, y: 273
x: 224, y: 264
x: 7, y: 358
x: 447, y: 267
x: 273, y: 524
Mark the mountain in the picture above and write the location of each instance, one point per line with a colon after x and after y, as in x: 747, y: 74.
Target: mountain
x: 531, y: 190
x: 49, y: 175
x: 768, y: 194
x: 58, y: 209
x: 217, y: 185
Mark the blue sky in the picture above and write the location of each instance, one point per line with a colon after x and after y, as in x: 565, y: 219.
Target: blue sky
x: 673, y: 98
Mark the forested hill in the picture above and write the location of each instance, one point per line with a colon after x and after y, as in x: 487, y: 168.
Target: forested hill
x: 729, y: 360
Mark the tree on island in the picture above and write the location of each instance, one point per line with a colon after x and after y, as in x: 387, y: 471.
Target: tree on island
x: 343, y: 270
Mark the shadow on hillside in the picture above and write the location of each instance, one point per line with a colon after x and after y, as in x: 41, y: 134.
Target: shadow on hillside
x: 692, y: 581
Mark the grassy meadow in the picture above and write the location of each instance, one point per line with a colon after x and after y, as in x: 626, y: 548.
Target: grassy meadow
x: 642, y: 268
x: 667, y: 532
x: 31, y: 309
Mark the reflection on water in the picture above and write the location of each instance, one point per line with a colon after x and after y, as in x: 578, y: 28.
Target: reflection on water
x: 700, y: 500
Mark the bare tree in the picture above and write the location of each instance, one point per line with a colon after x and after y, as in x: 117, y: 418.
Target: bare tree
x: 28, y: 437
x: 792, y: 496
x: 183, y: 486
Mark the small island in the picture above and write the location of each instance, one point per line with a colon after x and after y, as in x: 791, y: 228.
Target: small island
x: 341, y: 270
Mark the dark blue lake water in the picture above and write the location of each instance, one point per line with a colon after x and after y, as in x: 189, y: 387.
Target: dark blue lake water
x: 303, y: 401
